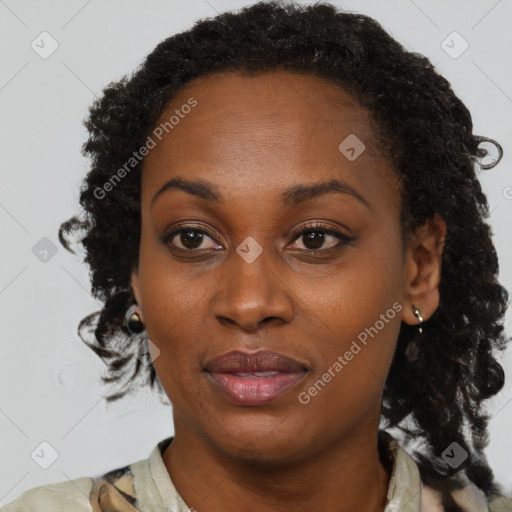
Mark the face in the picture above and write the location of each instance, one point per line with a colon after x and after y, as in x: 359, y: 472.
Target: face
x: 252, y: 269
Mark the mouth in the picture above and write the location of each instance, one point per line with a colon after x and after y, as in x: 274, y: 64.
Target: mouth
x: 254, y: 379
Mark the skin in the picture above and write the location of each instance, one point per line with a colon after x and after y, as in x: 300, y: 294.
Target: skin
x: 253, y: 137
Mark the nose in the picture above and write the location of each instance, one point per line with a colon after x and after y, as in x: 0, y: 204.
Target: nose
x: 252, y: 295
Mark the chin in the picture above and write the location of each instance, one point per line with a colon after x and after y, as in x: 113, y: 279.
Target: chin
x: 265, y: 439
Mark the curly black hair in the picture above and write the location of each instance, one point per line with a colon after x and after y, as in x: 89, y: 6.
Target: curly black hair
x: 426, y: 133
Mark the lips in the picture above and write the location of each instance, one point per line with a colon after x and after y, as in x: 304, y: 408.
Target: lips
x: 262, y: 361
x: 254, y: 379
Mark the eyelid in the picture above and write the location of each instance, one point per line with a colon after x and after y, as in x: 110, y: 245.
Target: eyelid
x: 318, y: 226
x: 168, y: 235
x: 325, y: 229
x: 344, y: 239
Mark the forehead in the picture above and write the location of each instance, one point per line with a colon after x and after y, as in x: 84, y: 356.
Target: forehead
x: 264, y: 131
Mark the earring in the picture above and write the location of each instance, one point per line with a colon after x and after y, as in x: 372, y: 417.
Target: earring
x: 417, y: 314
x: 412, y: 350
x: 133, y: 321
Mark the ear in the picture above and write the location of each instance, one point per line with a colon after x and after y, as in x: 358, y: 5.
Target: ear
x: 134, y: 283
x: 423, y: 269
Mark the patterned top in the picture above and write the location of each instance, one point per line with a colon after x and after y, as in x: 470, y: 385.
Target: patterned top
x: 145, y: 486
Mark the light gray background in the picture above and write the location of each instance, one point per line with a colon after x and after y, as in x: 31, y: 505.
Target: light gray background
x: 49, y: 380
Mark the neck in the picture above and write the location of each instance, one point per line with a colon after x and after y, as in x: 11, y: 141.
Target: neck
x: 349, y: 473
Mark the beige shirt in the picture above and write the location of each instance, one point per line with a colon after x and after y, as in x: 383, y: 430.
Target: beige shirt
x: 145, y: 486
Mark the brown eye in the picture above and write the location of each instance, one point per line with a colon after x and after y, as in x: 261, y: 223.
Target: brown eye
x: 314, y: 238
x: 188, y: 238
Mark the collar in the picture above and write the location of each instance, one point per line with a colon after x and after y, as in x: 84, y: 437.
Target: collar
x: 406, y: 492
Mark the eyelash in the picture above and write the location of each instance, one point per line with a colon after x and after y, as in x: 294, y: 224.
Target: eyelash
x: 314, y: 227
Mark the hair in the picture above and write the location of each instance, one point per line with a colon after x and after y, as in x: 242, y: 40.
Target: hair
x: 426, y: 133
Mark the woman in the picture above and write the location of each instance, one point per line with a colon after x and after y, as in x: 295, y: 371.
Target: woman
x: 283, y: 220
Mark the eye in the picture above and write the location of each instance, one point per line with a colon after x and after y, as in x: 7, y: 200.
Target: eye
x: 315, y: 235
x: 190, y: 238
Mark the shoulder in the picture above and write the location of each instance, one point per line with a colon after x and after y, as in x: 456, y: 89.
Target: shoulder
x: 59, y: 497
x: 500, y: 503
x: 468, y: 499
x: 464, y: 496
x: 112, y: 491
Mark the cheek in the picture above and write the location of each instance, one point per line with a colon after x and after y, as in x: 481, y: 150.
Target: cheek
x: 358, y: 313
x: 174, y: 307
x: 355, y: 296
x: 169, y: 292
x: 353, y: 363
x: 174, y: 314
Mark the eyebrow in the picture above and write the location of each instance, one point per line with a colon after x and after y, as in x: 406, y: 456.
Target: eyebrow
x: 290, y: 197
